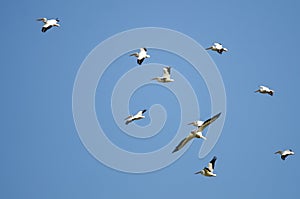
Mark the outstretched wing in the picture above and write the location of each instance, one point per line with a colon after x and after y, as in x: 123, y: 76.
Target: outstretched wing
x: 143, y: 50
x: 140, y: 61
x: 208, y: 122
x: 283, y: 157
x: 140, y: 113
x: 211, y: 164
x: 45, y: 28
x: 184, y: 142
x: 166, y: 72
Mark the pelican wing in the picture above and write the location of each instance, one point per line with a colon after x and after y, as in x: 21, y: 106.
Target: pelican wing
x: 283, y: 157
x: 184, y: 141
x: 166, y: 72
x: 211, y: 164
x: 143, y: 50
x: 140, y: 113
x: 208, y: 122
x: 140, y: 61
x: 46, y: 27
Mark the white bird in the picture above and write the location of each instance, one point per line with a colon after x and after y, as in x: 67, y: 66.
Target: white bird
x: 141, y: 55
x: 285, y: 153
x: 49, y: 23
x: 264, y: 90
x: 139, y: 115
x: 166, y: 76
x: 196, y: 133
x: 209, y: 170
x: 217, y: 47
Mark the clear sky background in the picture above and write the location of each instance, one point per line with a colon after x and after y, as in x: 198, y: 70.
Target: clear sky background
x: 41, y: 153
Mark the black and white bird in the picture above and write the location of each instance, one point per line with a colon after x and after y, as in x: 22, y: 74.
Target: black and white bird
x: 48, y: 23
x: 265, y: 90
x: 209, y: 170
x: 285, y: 153
x: 139, y: 115
x: 217, y: 47
x: 141, y: 55
x: 196, y: 133
x: 166, y: 76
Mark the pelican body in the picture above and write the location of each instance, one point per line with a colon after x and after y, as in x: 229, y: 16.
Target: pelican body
x: 141, y: 56
x: 209, y: 170
x: 49, y: 23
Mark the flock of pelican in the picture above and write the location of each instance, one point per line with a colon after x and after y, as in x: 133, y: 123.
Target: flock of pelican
x: 166, y: 77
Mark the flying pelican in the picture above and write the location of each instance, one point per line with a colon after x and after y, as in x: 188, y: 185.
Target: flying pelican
x: 137, y: 116
x: 141, y: 55
x: 166, y: 76
x: 48, y: 23
x: 285, y: 153
x: 196, y: 133
x: 264, y: 90
x: 217, y: 47
x: 209, y: 171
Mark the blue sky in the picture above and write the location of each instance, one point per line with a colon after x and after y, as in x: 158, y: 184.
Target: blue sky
x: 42, y: 155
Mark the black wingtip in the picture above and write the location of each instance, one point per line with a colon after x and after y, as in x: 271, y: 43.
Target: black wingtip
x: 144, y: 110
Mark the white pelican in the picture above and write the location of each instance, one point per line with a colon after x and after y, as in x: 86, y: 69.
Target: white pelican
x: 209, y: 170
x: 137, y: 116
x: 217, y: 47
x: 196, y: 133
x: 264, y: 90
x: 48, y: 23
x: 141, y: 55
x: 285, y: 153
x: 166, y: 76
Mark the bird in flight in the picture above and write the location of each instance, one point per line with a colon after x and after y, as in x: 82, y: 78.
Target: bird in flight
x: 285, y: 153
x: 265, y: 90
x: 217, y: 47
x: 196, y: 133
x: 141, y: 55
x: 166, y: 76
x: 48, y: 23
x: 139, y: 115
x: 209, y: 170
